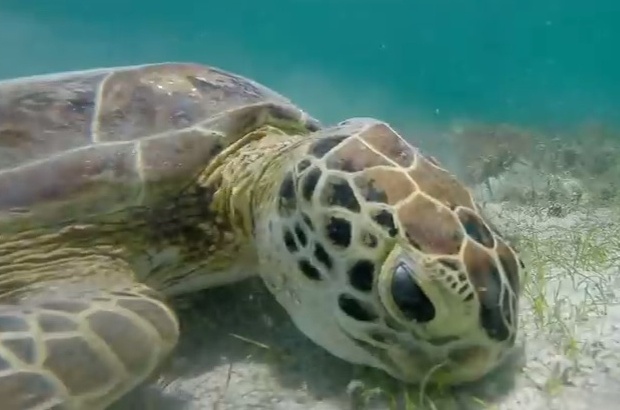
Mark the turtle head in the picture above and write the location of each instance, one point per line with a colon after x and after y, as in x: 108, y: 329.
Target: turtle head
x: 381, y: 256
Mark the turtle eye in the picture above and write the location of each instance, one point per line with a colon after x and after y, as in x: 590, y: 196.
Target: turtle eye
x: 409, y: 296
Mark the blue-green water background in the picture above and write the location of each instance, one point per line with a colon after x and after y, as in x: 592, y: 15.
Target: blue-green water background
x: 545, y: 62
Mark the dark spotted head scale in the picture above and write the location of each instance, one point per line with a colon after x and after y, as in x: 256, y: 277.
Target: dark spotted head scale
x: 395, y: 246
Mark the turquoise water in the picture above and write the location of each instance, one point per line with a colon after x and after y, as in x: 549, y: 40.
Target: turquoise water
x: 535, y: 62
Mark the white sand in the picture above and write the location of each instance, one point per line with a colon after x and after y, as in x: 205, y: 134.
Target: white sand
x: 570, y: 355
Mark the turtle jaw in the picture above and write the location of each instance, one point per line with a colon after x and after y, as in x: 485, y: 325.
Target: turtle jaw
x: 442, y: 366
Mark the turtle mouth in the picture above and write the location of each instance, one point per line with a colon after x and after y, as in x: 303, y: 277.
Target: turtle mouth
x: 452, y: 367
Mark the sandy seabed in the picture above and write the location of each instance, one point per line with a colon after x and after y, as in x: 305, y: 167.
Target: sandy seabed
x: 240, y: 351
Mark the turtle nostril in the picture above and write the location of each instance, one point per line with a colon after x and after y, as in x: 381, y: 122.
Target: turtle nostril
x: 409, y: 296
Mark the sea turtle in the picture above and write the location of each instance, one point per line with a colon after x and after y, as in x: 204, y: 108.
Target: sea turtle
x: 123, y: 187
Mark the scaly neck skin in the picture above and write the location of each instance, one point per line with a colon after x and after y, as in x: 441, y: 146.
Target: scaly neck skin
x: 247, y: 176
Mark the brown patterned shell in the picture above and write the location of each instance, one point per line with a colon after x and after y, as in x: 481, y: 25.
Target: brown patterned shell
x: 104, y: 139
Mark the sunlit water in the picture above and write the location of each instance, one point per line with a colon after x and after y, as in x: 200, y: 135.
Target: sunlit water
x: 421, y: 65
x: 533, y: 61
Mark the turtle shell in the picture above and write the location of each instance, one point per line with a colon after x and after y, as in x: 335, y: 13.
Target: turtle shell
x: 95, y: 141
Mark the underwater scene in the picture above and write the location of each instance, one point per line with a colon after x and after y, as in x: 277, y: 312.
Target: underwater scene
x: 298, y: 253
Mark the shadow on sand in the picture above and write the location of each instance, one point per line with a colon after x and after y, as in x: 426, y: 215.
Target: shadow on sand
x: 242, y: 327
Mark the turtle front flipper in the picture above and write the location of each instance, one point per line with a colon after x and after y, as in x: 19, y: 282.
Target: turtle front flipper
x: 81, y: 347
